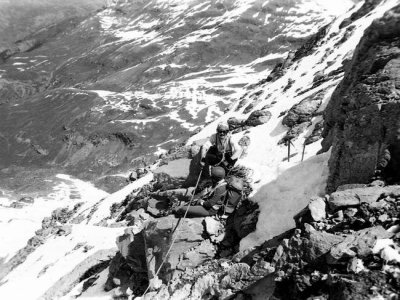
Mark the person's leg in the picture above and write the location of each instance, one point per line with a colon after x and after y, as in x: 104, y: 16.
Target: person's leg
x: 182, y: 194
x: 196, y: 211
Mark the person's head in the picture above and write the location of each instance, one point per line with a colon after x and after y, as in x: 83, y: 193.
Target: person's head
x: 222, y: 129
x: 217, y: 173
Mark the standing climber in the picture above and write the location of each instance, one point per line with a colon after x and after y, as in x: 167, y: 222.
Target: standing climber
x: 220, y: 149
x: 219, y: 198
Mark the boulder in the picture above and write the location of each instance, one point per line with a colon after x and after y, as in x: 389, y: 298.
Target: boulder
x: 189, y: 249
x: 64, y: 230
x: 235, y: 123
x: 212, y: 226
x: 317, y: 208
x: 354, y: 197
x: 16, y: 204
x: 29, y: 200
x: 157, y: 208
x: 133, y: 176
x: 303, y: 111
x: 258, y: 117
x: 358, y: 244
x: 318, y: 244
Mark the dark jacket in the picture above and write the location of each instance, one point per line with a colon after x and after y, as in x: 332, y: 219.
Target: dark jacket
x: 222, y: 198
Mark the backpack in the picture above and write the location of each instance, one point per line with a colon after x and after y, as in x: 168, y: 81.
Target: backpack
x: 236, y: 184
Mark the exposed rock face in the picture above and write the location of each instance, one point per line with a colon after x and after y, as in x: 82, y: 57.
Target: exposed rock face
x: 353, y: 253
x: 364, y: 9
x: 364, y: 110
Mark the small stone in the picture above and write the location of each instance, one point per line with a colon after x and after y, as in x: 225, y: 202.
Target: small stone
x: 394, y: 229
x: 128, y: 291
x: 383, y: 218
x: 381, y: 244
x: 16, y: 205
x: 350, y: 212
x: 133, y: 176
x: 27, y: 200
x: 389, y: 254
x: 317, y: 209
x: 116, y: 281
x: 64, y: 230
x: 338, y: 216
x: 212, y: 226
x: 355, y: 265
x: 377, y: 183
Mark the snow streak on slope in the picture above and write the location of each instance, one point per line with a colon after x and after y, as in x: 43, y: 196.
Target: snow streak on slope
x: 23, y: 222
x: 283, y: 188
x: 199, y: 92
x: 60, y: 256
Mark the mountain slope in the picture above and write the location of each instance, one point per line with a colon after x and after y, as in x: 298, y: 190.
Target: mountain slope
x: 296, y: 95
x: 145, y: 76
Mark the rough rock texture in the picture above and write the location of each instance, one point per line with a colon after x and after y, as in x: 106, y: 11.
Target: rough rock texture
x: 354, y: 197
x: 298, y: 118
x: 359, y: 244
x: 364, y: 108
x: 368, y: 6
x: 304, y: 110
x: 189, y: 250
x: 338, y: 257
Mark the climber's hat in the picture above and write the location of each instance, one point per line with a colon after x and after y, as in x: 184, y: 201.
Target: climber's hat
x: 218, y: 173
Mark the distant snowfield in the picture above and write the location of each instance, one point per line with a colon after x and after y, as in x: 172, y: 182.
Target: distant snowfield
x: 193, y: 93
x: 23, y: 222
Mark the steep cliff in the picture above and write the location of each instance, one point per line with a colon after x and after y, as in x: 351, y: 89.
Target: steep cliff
x: 364, y: 110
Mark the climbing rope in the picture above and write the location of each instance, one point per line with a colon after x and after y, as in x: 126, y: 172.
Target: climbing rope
x: 176, y: 235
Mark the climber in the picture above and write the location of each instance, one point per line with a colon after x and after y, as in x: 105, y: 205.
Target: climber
x: 220, y: 149
x: 219, y: 198
x: 388, y: 167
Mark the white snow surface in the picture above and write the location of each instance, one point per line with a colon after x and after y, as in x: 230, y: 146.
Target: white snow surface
x: 57, y: 256
x: 276, y: 181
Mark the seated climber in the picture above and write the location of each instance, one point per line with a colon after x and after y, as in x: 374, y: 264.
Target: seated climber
x: 388, y: 167
x: 219, y: 198
x: 220, y: 149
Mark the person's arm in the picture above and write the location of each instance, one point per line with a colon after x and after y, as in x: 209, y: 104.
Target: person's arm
x: 205, y: 147
x: 236, y: 149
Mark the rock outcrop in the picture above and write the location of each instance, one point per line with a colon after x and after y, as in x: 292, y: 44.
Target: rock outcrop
x: 364, y: 110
